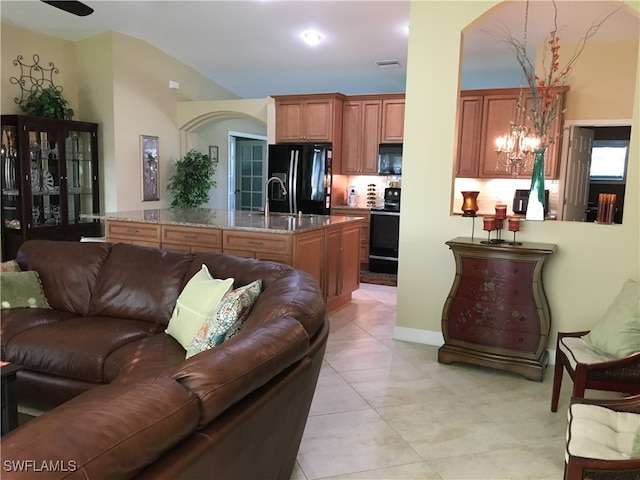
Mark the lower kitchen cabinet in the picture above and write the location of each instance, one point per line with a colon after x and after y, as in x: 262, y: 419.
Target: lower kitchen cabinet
x: 134, y: 233
x: 342, y: 263
x: 496, y: 314
x: 364, y: 230
x: 191, y: 239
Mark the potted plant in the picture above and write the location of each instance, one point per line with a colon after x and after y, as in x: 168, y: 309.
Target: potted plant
x: 191, y: 182
x: 47, y: 102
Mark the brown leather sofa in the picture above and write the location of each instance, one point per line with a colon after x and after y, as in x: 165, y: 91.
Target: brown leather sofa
x: 120, y: 399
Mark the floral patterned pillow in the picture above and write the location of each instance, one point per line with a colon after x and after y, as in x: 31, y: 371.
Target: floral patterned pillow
x: 227, y: 320
x: 9, y: 266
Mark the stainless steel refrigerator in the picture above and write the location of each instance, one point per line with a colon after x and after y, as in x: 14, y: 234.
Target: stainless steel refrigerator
x: 305, y: 170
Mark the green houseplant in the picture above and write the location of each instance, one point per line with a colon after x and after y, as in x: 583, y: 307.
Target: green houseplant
x: 191, y: 182
x: 47, y: 102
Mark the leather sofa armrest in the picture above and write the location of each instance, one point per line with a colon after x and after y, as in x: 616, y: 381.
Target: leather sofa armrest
x: 223, y: 375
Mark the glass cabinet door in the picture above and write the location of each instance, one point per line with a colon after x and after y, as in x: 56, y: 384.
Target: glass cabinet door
x: 44, y: 177
x: 80, y: 175
x: 11, y: 207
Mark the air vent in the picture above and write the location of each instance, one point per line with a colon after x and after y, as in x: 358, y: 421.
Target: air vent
x: 387, y: 63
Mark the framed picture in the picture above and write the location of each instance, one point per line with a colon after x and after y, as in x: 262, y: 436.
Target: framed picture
x: 149, y: 158
x: 213, y: 154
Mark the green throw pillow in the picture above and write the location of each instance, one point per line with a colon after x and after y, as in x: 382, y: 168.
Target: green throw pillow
x: 22, y: 289
x: 198, y: 301
x: 227, y: 320
x: 618, y: 332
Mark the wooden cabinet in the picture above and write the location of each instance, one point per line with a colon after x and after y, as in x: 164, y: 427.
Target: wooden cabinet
x: 365, y: 227
x: 496, y: 314
x: 361, y: 136
x: 309, y: 118
x: 392, y: 130
x: 134, y: 233
x: 485, y: 115
x: 49, y: 180
x: 342, y: 263
x: 191, y: 239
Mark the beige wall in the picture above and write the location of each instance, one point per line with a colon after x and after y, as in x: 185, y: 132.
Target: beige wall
x: 16, y: 41
x: 592, y: 260
x: 123, y: 85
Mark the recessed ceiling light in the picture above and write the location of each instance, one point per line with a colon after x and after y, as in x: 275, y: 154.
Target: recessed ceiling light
x: 312, y: 37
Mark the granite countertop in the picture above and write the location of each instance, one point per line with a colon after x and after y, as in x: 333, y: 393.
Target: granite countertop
x: 227, y: 219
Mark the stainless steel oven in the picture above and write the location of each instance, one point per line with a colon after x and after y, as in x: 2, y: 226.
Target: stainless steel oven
x: 383, y: 241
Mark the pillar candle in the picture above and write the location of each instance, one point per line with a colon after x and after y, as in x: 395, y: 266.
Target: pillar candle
x: 489, y: 223
x: 501, y: 211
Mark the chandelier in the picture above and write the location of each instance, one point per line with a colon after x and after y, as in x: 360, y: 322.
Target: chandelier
x: 517, y: 146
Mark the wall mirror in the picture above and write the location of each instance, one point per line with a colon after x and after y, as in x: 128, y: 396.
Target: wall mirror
x: 599, y: 98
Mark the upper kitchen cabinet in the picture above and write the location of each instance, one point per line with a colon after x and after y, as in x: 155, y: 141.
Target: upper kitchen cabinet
x: 361, y: 135
x: 49, y: 180
x: 485, y: 115
x: 392, y: 130
x: 315, y: 118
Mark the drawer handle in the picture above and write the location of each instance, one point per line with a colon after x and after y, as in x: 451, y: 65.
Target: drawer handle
x: 515, y: 270
x: 514, y: 292
x: 521, y: 340
x: 254, y: 242
x: 132, y: 230
x: 190, y: 237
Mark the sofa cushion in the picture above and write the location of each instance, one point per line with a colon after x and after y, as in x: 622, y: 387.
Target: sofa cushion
x: 220, y: 377
x: 618, y: 332
x: 144, y: 358
x: 124, y: 428
x: 76, y: 348
x: 18, y: 320
x: 286, y: 291
x: 139, y: 283
x: 21, y: 289
x: 227, y: 319
x: 68, y: 270
x: 198, y: 301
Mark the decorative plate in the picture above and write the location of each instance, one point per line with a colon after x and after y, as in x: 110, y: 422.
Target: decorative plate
x: 47, y: 181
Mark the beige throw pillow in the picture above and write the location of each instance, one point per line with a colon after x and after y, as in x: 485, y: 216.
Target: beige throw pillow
x: 198, y: 301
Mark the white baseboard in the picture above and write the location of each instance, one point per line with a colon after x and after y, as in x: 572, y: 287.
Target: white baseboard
x: 430, y: 337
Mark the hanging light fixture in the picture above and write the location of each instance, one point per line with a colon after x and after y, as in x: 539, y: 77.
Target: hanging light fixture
x: 517, y: 146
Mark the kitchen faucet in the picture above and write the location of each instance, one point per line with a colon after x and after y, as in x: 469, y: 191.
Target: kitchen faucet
x: 266, y: 193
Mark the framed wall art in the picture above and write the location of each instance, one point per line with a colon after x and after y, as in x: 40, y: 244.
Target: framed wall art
x: 213, y: 154
x: 150, y: 167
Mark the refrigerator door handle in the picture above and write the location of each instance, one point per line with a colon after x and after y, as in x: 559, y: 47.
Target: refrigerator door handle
x: 294, y: 203
x: 290, y: 179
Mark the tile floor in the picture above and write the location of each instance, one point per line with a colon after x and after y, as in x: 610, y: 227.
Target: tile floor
x: 386, y: 409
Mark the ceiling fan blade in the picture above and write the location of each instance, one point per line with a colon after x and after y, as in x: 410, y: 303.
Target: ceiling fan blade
x: 76, y: 8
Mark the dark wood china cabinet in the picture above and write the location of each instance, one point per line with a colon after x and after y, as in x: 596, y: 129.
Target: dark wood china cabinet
x: 49, y: 179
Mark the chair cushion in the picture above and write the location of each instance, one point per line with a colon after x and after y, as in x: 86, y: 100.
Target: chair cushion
x: 577, y: 350
x: 618, y: 332
x: 601, y: 433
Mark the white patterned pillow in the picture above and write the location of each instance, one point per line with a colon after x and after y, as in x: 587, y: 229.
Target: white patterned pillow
x: 227, y: 320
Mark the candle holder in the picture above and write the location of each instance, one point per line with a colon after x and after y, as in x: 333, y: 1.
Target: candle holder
x: 488, y: 224
x: 470, y: 207
x: 514, y: 226
x: 501, y: 215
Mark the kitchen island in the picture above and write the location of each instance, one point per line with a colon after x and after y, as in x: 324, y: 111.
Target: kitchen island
x: 325, y: 246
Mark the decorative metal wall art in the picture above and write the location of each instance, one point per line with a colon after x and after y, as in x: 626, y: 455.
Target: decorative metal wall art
x: 33, y: 78
x: 149, y: 154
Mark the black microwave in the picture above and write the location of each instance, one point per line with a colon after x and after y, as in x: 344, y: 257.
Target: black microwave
x: 390, y: 159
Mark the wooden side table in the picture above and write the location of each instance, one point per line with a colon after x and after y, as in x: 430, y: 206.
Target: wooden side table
x: 9, y: 401
x: 496, y: 314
